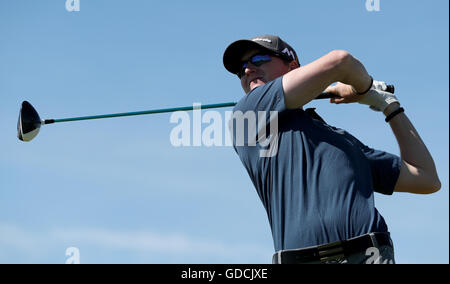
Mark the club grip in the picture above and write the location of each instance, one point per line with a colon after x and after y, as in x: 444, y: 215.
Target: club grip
x: 389, y: 88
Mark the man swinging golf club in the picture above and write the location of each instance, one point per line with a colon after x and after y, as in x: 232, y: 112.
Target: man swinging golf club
x: 318, y: 190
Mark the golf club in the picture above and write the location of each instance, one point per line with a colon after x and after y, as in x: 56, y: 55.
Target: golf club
x: 29, y: 122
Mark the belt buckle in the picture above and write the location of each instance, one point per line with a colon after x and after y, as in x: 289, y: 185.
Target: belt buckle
x: 331, y: 251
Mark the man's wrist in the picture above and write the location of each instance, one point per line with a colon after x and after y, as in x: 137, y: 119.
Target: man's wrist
x: 367, y: 89
x: 391, y: 108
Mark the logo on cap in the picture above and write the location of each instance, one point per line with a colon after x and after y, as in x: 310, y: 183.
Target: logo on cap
x: 289, y: 52
x: 262, y: 39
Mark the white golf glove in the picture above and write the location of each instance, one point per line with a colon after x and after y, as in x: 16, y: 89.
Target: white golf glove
x: 377, y: 97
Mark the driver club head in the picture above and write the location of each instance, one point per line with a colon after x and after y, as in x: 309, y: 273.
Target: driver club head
x: 29, y: 122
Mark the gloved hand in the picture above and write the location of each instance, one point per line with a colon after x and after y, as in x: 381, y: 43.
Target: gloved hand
x: 377, y: 98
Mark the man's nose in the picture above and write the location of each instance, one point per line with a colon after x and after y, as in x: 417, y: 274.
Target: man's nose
x: 250, y: 68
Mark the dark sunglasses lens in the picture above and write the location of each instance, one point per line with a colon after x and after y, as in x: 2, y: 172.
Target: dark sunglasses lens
x: 259, y: 60
x: 256, y: 60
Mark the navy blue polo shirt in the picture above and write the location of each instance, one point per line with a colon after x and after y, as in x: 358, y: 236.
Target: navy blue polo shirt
x: 319, y: 186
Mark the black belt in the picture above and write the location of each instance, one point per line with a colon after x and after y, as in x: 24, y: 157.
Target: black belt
x: 333, y: 251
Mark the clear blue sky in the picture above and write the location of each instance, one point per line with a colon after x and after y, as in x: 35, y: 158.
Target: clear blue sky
x: 121, y: 193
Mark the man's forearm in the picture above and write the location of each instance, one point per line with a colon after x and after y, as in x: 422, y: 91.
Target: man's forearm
x: 420, y: 171
x: 352, y: 72
x: 305, y: 83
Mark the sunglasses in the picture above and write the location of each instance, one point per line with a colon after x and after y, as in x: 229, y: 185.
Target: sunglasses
x: 256, y: 60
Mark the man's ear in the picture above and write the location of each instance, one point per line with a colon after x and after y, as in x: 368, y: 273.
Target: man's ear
x: 293, y: 65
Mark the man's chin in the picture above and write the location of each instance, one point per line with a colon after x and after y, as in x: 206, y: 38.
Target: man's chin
x: 253, y: 85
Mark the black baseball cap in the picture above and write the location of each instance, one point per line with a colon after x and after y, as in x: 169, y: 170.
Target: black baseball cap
x: 273, y: 44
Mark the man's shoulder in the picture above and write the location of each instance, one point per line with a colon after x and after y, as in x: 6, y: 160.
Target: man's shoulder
x: 260, y: 97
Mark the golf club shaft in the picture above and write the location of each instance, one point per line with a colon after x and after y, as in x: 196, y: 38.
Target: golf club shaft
x: 230, y: 104
x: 163, y: 110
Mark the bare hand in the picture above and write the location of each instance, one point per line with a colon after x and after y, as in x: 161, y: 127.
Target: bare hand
x: 347, y: 94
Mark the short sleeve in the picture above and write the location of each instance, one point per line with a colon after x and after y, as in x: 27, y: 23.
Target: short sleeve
x: 385, y: 169
x: 268, y: 97
x: 384, y: 166
x: 262, y: 105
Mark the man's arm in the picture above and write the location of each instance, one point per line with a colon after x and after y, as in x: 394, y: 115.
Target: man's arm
x: 418, y: 172
x: 304, y: 84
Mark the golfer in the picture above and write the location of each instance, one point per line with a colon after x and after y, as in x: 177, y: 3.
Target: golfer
x: 318, y: 189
